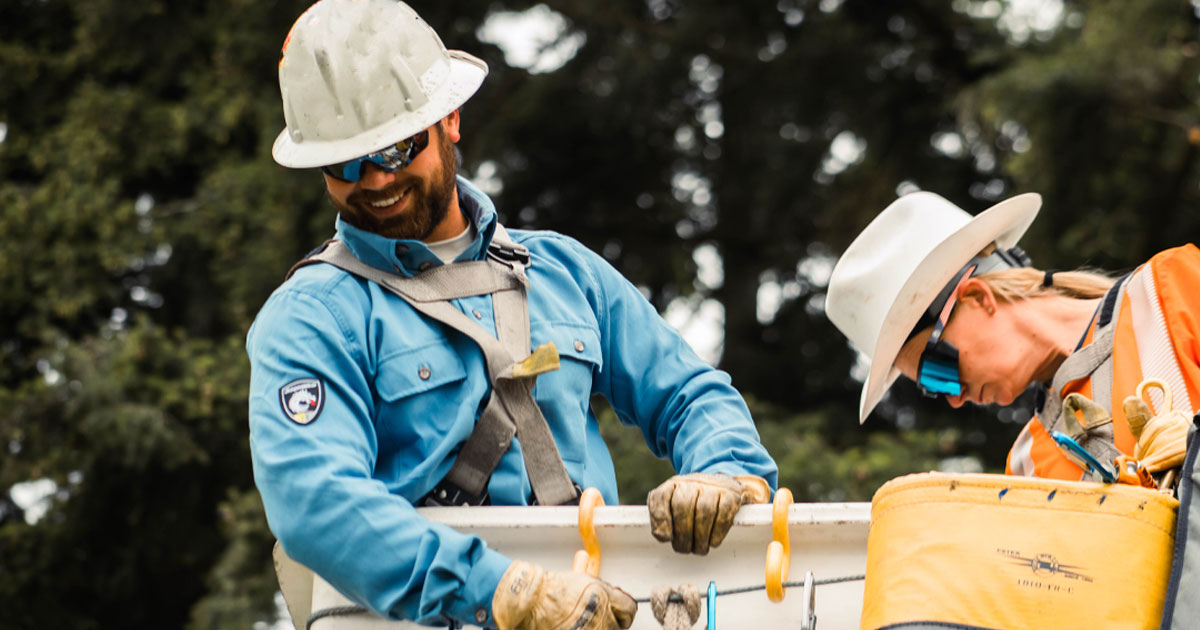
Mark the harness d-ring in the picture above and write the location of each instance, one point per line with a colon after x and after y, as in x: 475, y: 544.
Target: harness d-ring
x: 587, y: 560
x: 779, y: 552
x: 1168, y: 401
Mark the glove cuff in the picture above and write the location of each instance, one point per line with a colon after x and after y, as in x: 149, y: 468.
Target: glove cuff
x: 516, y: 594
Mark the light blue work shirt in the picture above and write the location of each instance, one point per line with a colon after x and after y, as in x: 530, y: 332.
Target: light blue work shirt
x: 358, y: 405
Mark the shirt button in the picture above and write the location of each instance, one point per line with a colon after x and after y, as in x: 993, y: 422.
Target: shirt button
x: 477, y: 314
x: 424, y: 372
x: 481, y: 616
x: 578, y: 346
x: 401, y: 249
x: 425, y: 265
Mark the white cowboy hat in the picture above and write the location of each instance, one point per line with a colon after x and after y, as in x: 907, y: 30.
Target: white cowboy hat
x: 899, y: 264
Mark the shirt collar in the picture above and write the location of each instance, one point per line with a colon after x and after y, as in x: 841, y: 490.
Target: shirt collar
x: 408, y: 257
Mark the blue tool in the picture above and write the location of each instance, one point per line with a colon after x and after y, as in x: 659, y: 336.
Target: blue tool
x: 1084, y: 459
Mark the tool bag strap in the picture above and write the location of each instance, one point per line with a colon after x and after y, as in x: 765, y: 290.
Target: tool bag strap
x: 511, y: 410
x: 1094, y: 361
x: 1181, y: 608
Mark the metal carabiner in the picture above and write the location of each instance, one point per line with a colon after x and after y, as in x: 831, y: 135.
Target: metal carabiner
x: 808, y: 615
x: 1085, y: 460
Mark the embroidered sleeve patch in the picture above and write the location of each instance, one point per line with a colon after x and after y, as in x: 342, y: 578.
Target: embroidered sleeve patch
x: 302, y: 400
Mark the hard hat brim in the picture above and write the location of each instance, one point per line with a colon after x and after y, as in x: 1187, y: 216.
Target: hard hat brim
x: 466, y: 75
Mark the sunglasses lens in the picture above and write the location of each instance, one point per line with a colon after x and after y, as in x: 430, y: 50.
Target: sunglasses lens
x: 390, y: 159
x: 937, y: 372
x: 414, y: 144
x: 346, y: 171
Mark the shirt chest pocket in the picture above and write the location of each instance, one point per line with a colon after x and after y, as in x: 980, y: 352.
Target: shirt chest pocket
x: 578, y: 348
x: 418, y: 390
x: 407, y: 378
x: 564, y: 395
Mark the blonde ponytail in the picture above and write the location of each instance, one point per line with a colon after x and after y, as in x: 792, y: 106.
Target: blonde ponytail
x: 1010, y: 285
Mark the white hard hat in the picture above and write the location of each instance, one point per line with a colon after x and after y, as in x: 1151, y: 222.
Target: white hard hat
x: 359, y: 75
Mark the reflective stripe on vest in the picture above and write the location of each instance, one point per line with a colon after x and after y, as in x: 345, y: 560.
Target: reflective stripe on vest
x: 1155, y: 352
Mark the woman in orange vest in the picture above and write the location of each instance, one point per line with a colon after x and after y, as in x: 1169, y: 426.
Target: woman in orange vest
x: 948, y: 300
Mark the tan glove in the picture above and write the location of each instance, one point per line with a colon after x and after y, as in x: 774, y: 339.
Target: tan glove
x: 695, y: 511
x: 529, y: 598
x: 1161, y: 439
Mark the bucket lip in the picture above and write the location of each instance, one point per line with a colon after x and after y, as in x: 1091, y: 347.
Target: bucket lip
x: 637, y: 516
x: 1116, y: 496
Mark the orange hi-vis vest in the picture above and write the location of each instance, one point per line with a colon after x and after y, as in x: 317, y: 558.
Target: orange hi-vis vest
x: 1154, y: 332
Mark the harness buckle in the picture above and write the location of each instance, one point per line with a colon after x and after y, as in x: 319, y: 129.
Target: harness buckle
x: 448, y: 494
x: 509, y: 254
x: 578, y: 495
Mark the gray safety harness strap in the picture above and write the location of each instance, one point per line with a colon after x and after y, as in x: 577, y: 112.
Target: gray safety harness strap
x: 511, y: 410
x: 1094, y: 361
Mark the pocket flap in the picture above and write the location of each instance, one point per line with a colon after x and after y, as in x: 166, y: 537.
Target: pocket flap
x: 573, y: 341
x: 416, y: 370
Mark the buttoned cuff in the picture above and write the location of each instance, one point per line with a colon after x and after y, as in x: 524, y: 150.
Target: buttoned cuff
x: 474, y: 603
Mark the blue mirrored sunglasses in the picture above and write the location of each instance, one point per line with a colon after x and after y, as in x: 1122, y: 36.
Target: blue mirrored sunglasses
x: 937, y: 371
x: 390, y: 159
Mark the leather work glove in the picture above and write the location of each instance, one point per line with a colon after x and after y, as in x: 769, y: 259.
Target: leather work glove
x: 1161, y: 439
x: 695, y: 511
x: 530, y: 598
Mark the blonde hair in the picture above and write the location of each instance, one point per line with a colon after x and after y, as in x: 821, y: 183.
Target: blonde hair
x: 1022, y: 283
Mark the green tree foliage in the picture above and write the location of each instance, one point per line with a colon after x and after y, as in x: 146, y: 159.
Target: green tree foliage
x: 1105, y: 124
x: 144, y: 223
x: 143, y: 226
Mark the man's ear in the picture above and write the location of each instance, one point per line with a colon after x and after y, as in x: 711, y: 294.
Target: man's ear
x: 978, y: 291
x: 450, y: 126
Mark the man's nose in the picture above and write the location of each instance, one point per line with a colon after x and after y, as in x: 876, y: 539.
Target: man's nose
x: 375, y: 178
x: 956, y: 401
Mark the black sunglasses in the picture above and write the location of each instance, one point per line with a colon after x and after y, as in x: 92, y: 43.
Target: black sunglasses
x: 390, y: 159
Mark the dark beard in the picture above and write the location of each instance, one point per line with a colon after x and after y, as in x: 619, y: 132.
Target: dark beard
x: 429, y: 201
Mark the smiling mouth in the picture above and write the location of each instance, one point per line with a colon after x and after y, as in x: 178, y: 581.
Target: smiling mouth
x: 383, y: 205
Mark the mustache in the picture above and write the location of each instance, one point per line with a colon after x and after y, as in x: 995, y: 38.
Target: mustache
x: 369, y: 196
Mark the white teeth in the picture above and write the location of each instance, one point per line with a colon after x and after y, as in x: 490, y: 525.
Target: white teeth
x: 387, y: 202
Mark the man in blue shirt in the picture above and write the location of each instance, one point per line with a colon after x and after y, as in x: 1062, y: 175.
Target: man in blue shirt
x: 367, y: 402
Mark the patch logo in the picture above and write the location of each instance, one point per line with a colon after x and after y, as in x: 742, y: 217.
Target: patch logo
x: 1046, y: 564
x: 302, y: 400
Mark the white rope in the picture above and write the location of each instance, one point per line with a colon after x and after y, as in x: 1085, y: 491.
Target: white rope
x: 676, y: 608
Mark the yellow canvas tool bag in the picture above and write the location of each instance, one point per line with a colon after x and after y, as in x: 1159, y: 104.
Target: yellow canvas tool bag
x: 1016, y: 553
